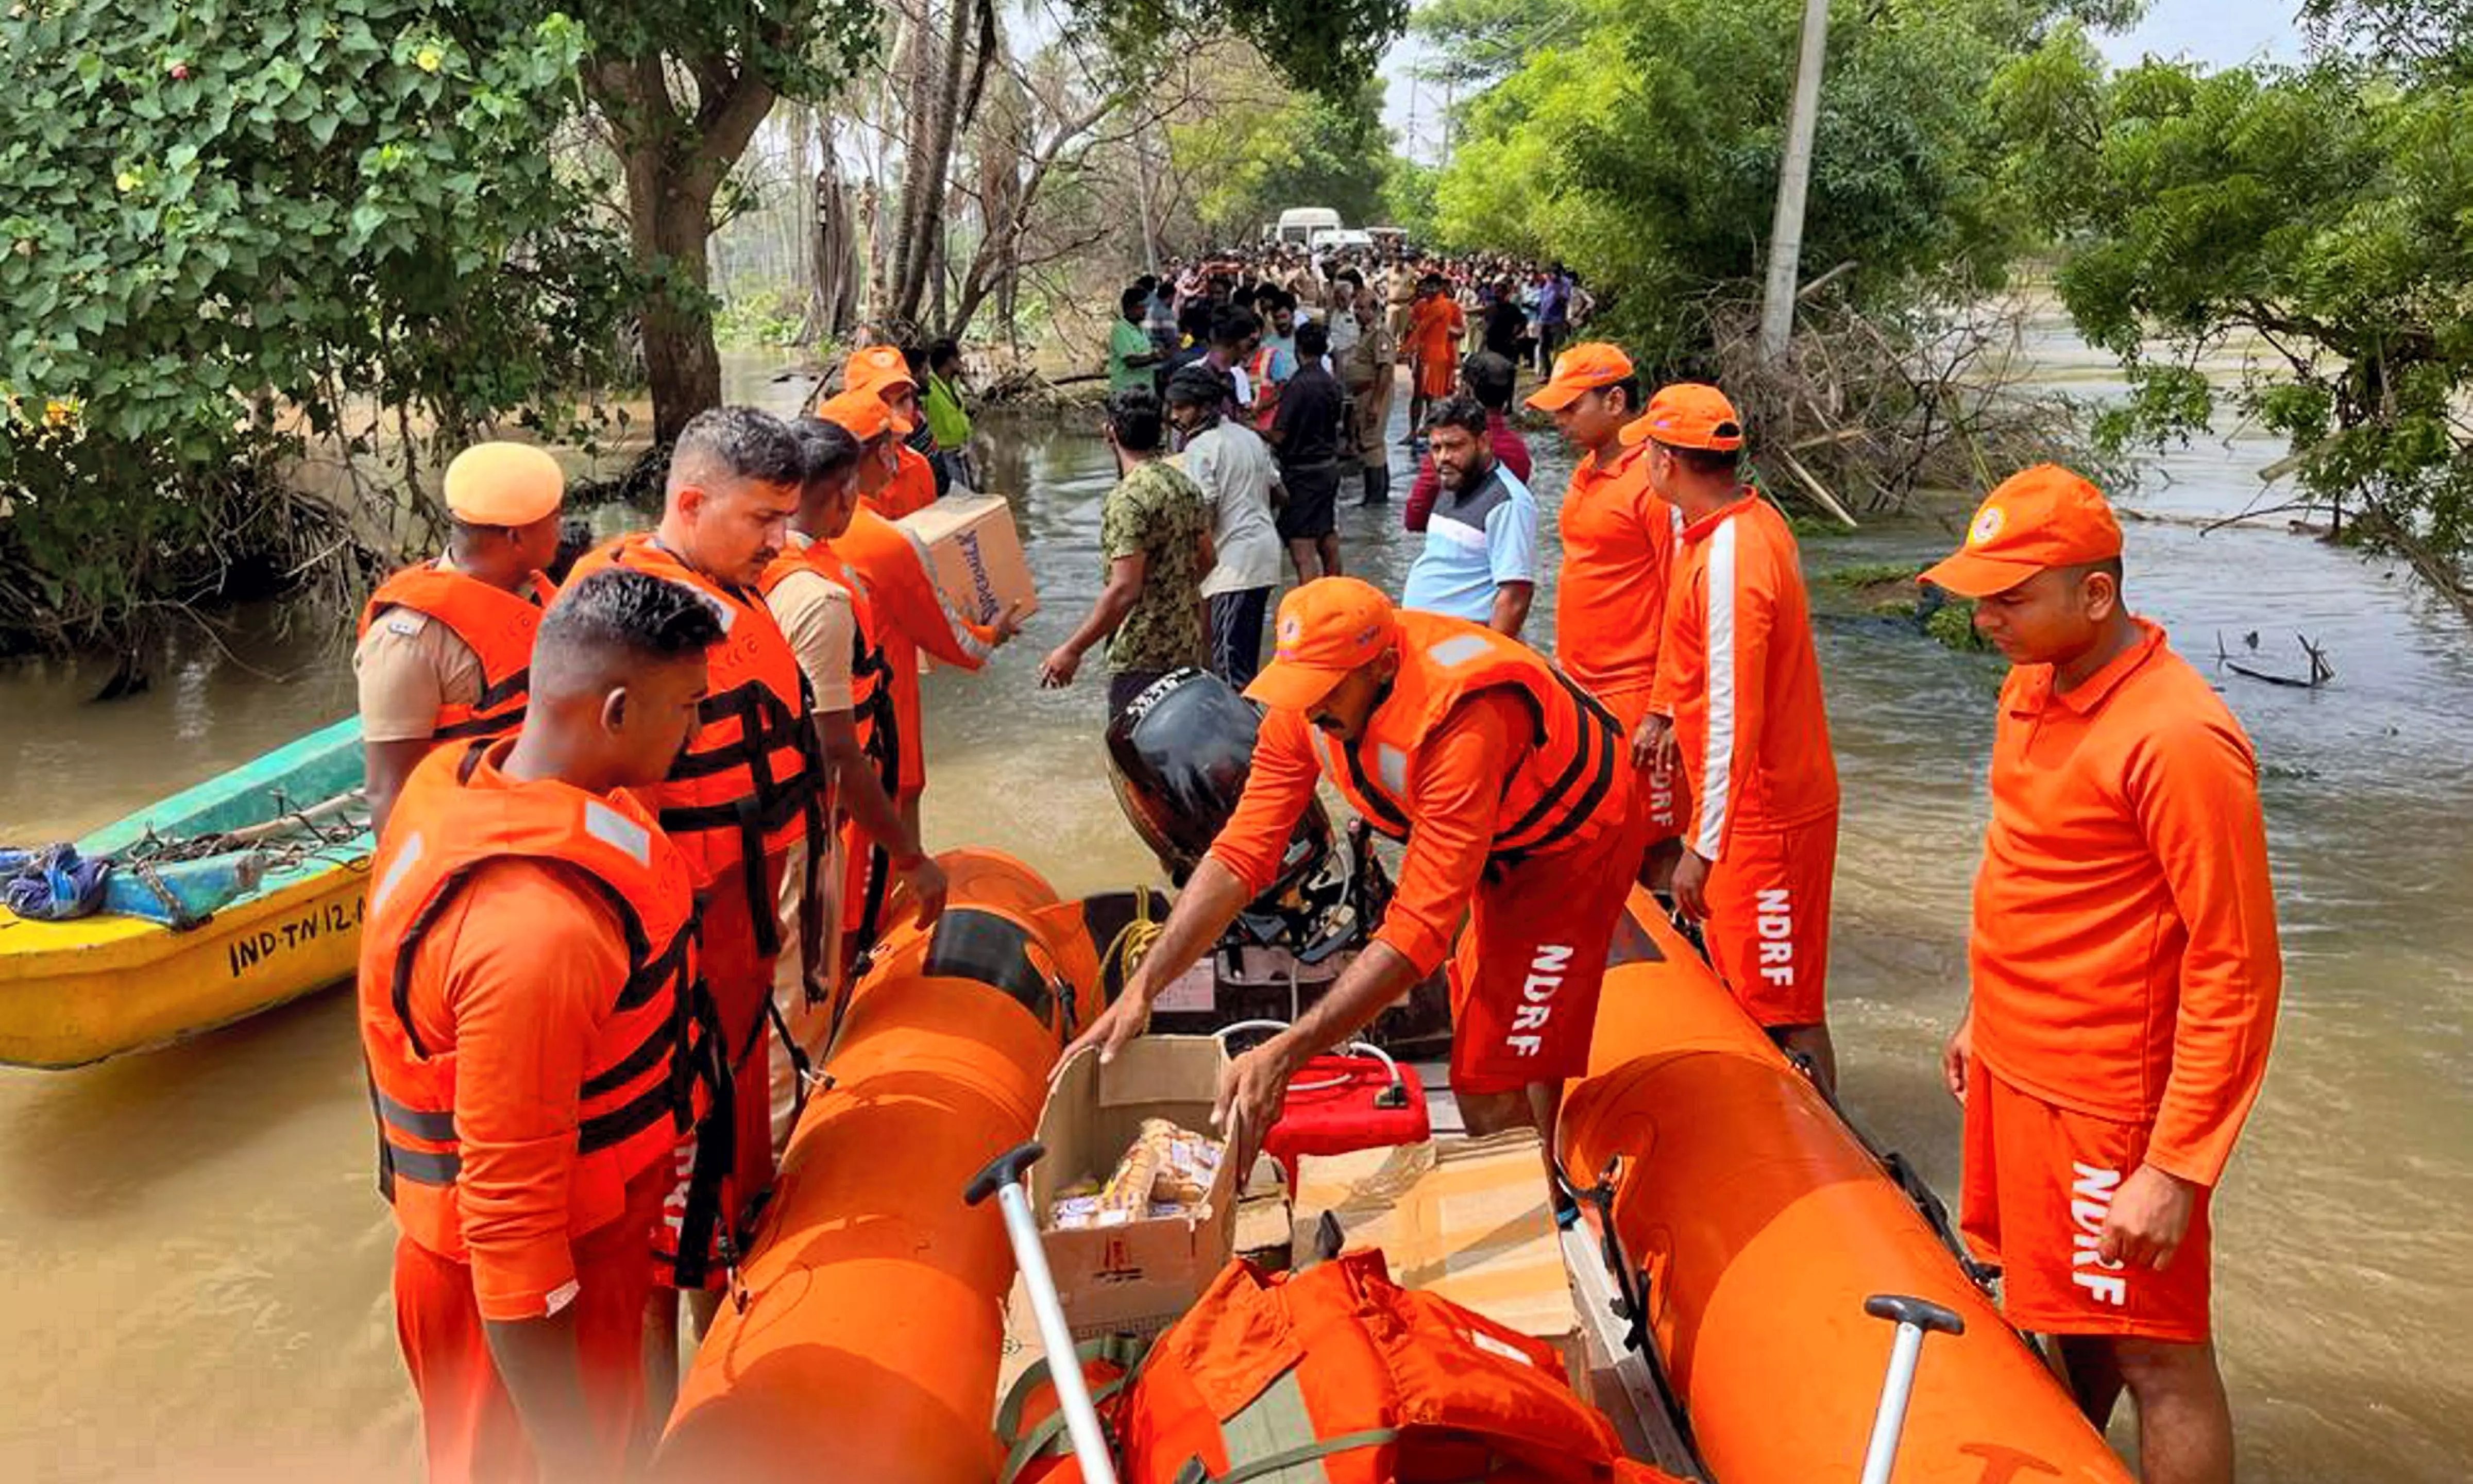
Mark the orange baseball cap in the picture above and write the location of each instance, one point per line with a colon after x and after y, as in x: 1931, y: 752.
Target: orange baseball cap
x: 504, y: 484
x: 1688, y: 414
x: 1583, y: 368
x: 2037, y: 518
x: 1327, y: 627
x: 861, y: 414
x: 874, y: 368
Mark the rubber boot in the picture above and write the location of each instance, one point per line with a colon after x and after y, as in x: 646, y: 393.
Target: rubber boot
x: 1378, y: 485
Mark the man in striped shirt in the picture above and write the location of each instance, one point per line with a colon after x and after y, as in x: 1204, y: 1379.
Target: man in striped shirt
x: 1740, y: 686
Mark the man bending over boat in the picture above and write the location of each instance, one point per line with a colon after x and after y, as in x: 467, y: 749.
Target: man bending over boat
x: 444, y: 646
x: 1513, y: 790
x: 2124, y: 972
x: 529, y: 940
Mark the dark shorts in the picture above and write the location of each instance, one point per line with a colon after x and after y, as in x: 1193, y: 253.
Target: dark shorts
x: 1313, y: 489
x: 1237, y: 634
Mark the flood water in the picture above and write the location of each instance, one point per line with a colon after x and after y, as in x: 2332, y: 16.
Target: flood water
x: 193, y: 1261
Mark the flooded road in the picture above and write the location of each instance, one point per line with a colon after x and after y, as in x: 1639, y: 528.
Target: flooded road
x: 194, y: 1262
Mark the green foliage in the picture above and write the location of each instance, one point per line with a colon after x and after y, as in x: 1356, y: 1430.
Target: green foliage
x: 1409, y: 198
x: 2313, y: 220
x: 1326, y: 47
x: 766, y: 317
x: 1251, y: 160
x: 1478, y: 43
x: 1643, y: 150
x: 231, y: 226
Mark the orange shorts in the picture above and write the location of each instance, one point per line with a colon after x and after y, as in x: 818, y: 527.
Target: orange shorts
x: 468, y: 1425
x: 1526, y: 973
x: 2038, y: 1183
x: 1768, y: 921
x: 1657, y: 792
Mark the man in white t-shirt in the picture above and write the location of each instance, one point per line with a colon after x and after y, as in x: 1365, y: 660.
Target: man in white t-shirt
x: 1237, y: 474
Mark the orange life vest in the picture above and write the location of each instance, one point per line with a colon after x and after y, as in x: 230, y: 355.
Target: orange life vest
x: 497, y: 626
x: 1343, y: 1374
x: 1573, y: 780
x: 871, y: 672
x: 913, y: 614
x: 457, y: 814
x: 749, y: 781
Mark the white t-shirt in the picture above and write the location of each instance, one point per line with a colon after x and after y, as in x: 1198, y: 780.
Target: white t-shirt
x: 1235, y: 469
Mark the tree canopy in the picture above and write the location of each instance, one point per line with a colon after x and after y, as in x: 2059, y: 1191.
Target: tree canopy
x: 2310, y: 219
x: 1643, y: 149
x: 1252, y: 157
x: 229, y: 226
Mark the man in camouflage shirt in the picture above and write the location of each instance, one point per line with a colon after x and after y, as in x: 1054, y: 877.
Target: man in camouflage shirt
x: 1155, y: 538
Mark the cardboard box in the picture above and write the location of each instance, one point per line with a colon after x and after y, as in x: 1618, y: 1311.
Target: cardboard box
x: 1469, y: 1219
x: 975, y: 555
x: 1138, y: 1275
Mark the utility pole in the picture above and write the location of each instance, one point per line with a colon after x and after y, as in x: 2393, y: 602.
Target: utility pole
x: 1794, y: 178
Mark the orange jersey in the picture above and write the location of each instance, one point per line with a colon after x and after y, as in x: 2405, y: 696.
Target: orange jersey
x: 1610, y: 602
x: 1736, y: 672
x: 1435, y: 328
x: 1456, y: 783
x: 912, y: 488
x: 2124, y: 957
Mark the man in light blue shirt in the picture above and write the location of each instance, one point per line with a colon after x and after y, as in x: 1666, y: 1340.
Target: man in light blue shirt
x: 1480, y: 558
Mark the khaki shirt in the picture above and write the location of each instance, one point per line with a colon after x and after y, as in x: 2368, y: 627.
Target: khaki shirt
x: 407, y: 668
x: 815, y: 615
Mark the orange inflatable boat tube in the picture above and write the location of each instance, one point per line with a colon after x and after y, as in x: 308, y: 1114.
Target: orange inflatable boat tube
x: 867, y: 1347
x: 1764, y: 1224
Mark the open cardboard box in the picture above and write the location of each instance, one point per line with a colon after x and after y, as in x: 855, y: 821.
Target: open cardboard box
x: 1137, y: 1277
x: 974, y: 553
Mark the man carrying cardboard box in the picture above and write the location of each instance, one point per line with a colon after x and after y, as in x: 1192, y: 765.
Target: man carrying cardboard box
x: 1511, y: 788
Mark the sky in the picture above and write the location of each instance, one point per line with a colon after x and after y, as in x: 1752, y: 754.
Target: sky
x: 2222, y: 32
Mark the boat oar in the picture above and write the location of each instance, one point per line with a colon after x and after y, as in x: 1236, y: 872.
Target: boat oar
x: 1002, y: 1179
x: 1913, y: 1317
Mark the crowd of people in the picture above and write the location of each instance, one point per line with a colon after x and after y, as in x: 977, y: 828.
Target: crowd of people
x: 635, y: 829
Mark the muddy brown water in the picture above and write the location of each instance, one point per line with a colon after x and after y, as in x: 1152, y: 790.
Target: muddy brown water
x: 193, y: 1260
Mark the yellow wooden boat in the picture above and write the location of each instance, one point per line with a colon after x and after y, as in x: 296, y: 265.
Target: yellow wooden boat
x: 278, y: 913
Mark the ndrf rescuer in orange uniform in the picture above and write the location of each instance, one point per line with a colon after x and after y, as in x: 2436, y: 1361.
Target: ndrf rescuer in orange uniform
x: 1739, y: 680
x: 2124, y: 971
x: 531, y: 1012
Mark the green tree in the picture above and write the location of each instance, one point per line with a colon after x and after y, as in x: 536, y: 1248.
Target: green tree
x: 1645, y: 150
x: 1249, y: 159
x: 232, y: 228
x: 2313, y: 217
x: 1328, y: 47
x: 683, y: 86
x: 1478, y: 43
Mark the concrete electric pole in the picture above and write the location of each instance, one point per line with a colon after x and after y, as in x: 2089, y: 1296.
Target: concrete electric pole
x: 1794, y: 178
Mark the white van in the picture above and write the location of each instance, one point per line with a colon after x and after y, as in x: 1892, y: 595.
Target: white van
x: 1297, y: 225
x: 1342, y: 239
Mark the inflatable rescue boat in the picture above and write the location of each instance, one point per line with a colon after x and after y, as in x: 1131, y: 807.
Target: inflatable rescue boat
x: 865, y: 1343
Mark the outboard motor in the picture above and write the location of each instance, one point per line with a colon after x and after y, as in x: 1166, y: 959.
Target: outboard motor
x: 1178, y: 757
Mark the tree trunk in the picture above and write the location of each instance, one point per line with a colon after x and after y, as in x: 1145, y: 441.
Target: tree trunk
x: 673, y: 169
x: 668, y: 222
x: 931, y: 164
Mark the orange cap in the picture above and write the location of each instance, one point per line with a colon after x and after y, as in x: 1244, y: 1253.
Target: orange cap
x: 1688, y: 414
x: 1327, y: 627
x: 1583, y: 368
x: 874, y: 367
x: 504, y: 485
x: 2037, y: 518
x: 877, y: 369
x: 860, y: 413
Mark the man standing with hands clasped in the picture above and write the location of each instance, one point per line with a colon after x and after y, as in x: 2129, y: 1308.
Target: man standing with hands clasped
x: 2124, y: 971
